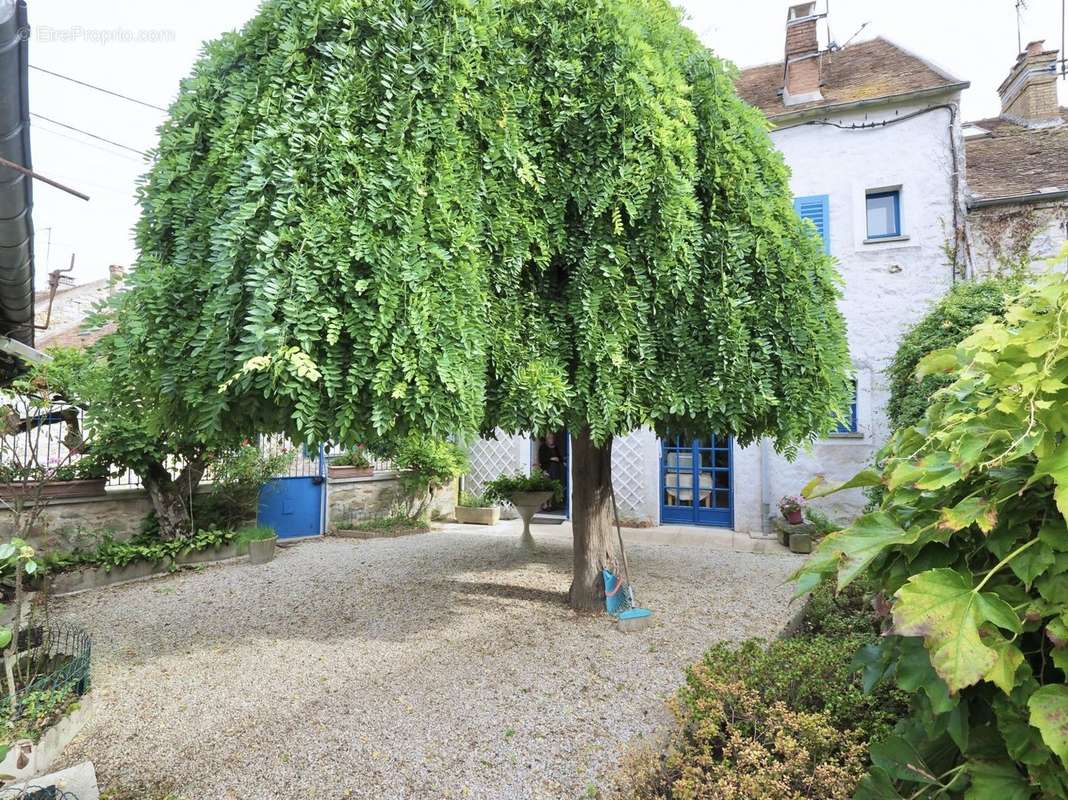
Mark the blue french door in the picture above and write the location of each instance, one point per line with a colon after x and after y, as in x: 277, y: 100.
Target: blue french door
x: 696, y: 484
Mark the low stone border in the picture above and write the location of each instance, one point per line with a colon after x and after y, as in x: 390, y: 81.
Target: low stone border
x: 397, y: 534
x: 82, y: 580
x: 42, y: 755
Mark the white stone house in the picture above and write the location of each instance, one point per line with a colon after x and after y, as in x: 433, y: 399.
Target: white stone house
x: 875, y: 141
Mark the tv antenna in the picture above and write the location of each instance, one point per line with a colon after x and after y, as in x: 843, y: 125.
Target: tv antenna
x: 1021, y: 6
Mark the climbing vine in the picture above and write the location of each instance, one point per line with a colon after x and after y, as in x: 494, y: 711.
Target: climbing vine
x: 970, y: 549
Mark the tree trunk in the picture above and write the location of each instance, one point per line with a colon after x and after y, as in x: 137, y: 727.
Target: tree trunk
x: 172, y: 497
x: 593, y: 521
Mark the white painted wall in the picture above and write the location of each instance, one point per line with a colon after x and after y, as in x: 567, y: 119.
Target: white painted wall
x: 888, y: 286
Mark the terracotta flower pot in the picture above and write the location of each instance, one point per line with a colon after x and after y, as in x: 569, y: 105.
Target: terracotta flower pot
x: 795, y: 517
x: 351, y: 472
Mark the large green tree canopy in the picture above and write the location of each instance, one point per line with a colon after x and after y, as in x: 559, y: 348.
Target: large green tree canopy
x: 372, y: 216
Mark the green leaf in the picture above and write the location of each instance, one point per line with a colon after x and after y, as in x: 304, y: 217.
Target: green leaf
x: 937, y: 363
x: 900, y: 759
x: 996, y: 781
x: 864, y: 478
x: 1049, y: 713
x: 877, y: 785
x: 1003, y: 672
x: 971, y: 511
x: 861, y: 543
x: 5, y: 637
x: 943, y: 607
x: 1033, y: 562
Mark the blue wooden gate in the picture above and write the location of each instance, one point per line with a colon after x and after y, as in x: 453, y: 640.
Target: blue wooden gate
x: 696, y: 484
x: 293, y: 504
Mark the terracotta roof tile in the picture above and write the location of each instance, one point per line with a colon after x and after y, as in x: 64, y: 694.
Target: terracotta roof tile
x: 863, y: 71
x: 1014, y: 161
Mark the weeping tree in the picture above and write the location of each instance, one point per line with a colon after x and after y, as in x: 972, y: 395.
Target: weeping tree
x: 371, y: 218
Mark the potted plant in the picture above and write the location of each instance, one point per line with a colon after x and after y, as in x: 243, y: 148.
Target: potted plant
x: 260, y: 542
x: 528, y: 494
x: 354, y: 463
x: 477, y: 509
x: 792, y: 509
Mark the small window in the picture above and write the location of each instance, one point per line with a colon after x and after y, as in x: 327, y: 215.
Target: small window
x: 847, y: 420
x: 884, y: 214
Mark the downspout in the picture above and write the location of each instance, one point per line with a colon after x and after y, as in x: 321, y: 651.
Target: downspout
x: 16, y: 188
x: 765, y: 489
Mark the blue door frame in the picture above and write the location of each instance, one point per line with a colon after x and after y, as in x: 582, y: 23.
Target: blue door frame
x: 294, y: 505
x: 697, y: 481
x: 565, y: 451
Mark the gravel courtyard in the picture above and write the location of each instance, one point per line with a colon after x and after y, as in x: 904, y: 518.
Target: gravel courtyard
x: 437, y: 666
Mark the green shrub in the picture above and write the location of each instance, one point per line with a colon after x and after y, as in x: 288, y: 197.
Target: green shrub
x: 505, y: 486
x: 38, y: 710
x: 809, y: 674
x: 472, y: 500
x: 397, y: 523
x: 946, y: 325
x: 236, y: 479
x: 821, y: 521
x: 847, y: 613
x: 255, y: 534
x: 427, y: 465
x: 969, y: 546
x: 731, y: 745
x: 353, y: 457
x: 786, y: 719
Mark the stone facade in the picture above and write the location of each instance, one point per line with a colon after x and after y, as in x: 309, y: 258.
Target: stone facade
x: 79, y: 523
x: 352, y: 500
x: 1009, y: 239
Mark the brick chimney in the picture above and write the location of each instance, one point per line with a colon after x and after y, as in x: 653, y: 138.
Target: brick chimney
x: 802, y: 78
x: 1029, y: 94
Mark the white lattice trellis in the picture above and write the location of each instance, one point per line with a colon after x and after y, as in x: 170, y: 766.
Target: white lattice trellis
x: 628, y: 474
x: 492, y: 458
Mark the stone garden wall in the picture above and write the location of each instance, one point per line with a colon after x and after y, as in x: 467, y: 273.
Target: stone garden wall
x: 352, y: 500
x: 73, y: 523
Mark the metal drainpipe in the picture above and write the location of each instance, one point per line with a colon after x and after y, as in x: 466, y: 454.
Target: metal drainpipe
x: 765, y: 489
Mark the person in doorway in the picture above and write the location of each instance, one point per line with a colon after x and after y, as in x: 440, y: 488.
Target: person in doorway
x: 550, y: 459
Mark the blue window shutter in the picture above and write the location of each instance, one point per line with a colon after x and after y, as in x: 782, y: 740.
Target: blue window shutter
x: 817, y: 208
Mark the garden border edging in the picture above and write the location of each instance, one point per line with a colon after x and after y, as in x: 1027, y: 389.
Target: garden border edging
x: 47, y: 751
x: 88, y: 578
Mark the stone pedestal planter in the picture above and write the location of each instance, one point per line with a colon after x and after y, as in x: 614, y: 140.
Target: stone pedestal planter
x: 351, y: 472
x: 261, y: 551
x: 799, y: 538
x: 528, y: 504
x: 470, y: 515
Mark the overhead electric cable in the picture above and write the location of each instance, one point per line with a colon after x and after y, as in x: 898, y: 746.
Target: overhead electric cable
x: 87, y: 133
x: 98, y: 88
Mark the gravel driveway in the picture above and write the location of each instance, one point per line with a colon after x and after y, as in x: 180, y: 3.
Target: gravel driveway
x: 437, y: 666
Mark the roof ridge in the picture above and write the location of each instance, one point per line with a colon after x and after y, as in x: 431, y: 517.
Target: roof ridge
x: 933, y: 66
